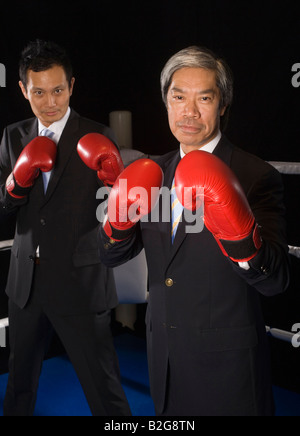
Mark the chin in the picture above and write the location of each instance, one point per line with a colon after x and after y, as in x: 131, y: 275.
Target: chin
x: 51, y: 120
x: 189, y: 141
x: 195, y: 145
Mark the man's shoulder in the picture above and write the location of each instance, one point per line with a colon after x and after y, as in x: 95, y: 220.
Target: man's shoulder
x: 21, y: 125
x: 250, y: 162
x: 87, y: 125
x: 242, y: 160
x: 252, y: 170
x: 165, y: 159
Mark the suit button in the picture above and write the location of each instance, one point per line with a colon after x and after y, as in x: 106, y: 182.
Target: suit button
x: 265, y: 270
x: 169, y: 283
x: 43, y: 222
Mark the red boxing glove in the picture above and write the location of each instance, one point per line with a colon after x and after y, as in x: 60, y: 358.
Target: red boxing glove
x: 227, y: 214
x: 132, y: 198
x: 101, y: 155
x: 38, y: 155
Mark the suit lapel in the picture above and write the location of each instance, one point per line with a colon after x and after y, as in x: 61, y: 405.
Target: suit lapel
x: 224, y: 151
x: 171, y: 249
x: 65, y: 148
x: 180, y: 236
x: 30, y: 133
x: 164, y: 225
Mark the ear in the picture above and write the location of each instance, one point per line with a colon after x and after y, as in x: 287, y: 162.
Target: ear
x: 72, y: 85
x: 223, y: 110
x: 23, y: 89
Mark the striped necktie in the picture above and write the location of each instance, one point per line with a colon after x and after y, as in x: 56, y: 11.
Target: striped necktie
x: 177, y: 210
x: 46, y: 176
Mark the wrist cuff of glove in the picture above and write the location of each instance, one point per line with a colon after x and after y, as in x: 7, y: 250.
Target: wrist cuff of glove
x: 116, y: 234
x: 245, y: 249
x: 14, y: 189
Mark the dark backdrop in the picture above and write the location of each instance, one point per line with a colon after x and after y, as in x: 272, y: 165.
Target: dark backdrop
x: 118, y: 51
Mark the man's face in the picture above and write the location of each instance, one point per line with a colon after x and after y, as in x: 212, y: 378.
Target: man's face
x: 48, y: 93
x: 193, y: 103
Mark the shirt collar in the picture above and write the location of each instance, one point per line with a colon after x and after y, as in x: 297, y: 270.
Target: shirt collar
x: 209, y: 147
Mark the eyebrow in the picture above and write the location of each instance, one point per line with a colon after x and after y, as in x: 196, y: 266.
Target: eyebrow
x: 204, y: 91
x: 42, y: 89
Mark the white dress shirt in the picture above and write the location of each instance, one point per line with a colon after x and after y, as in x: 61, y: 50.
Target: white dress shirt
x: 209, y: 147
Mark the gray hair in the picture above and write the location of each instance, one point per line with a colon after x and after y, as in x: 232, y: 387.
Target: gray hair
x: 199, y: 57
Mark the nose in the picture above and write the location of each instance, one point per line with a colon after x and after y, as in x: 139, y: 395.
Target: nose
x: 51, y: 100
x: 191, y: 110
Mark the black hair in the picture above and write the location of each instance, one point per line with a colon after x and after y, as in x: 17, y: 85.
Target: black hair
x: 42, y: 55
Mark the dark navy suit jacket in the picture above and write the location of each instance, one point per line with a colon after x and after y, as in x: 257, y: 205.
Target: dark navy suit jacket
x: 207, y: 342
x: 62, y: 223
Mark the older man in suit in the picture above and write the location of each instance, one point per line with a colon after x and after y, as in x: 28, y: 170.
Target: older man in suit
x: 56, y: 280
x: 207, y: 344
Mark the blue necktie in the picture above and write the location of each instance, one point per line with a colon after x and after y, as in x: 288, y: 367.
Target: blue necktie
x: 46, y: 176
x: 177, y: 210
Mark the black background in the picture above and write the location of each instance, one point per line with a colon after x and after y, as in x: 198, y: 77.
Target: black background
x: 118, y: 50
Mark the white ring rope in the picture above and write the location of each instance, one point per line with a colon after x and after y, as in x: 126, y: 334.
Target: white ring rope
x: 3, y: 323
x: 294, y: 251
x: 292, y: 168
x: 280, y: 334
x: 6, y: 245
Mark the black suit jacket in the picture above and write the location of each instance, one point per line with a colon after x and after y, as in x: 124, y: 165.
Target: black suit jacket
x: 206, y: 333
x: 62, y: 223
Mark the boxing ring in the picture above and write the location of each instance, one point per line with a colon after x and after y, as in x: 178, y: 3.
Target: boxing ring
x: 131, y: 278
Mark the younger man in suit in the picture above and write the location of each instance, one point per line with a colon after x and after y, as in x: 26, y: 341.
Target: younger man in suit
x: 56, y: 280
